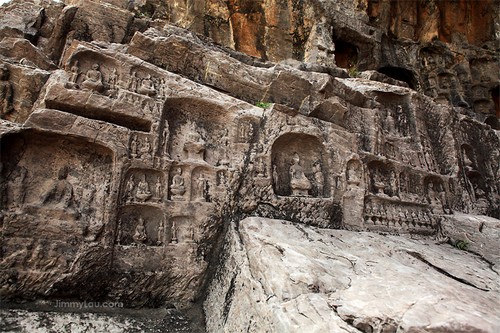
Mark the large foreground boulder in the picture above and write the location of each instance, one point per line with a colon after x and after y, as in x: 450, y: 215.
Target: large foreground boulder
x: 283, y: 277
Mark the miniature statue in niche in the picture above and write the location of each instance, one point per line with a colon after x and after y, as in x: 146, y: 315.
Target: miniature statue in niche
x: 260, y: 166
x: 154, y: 132
x: 165, y: 134
x: 161, y: 90
x: 195, y: 146
x: 177, y: 187
x: 319, y: 178
x: 134, y: 147
x: 161, y: 233
x: 401, y: 120
x: 390, y: 124
x: 147, y: 87
x: 143, y: 193
x: 224, y: 146
x: 299, y: 183
x: 190, y: 234
x: 61, y: 191
x: 201, y: 187
x: 158, y: 190
x: 112, y: 80
x: 394, y: 183
x: 75, y: 72
x: 378, y: 183
x: 245, y: 131
x: 140, y: 236
x: 133, y: 83
x: 93, y: 80
x: 129, y: 192
x: 353, y: 174
x: 6, y: 95
x: 174, y: 233
x: 145, y: 149
x: 275, y: 176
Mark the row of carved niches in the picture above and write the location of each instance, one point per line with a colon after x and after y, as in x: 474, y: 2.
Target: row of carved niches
x: 385, y: 215
x: 416, y: 155
x: 51, y: 179
x: 386, y: 181
x: 148, y: 226
x: 466, y: 84
x: 95, y: 72
x: 299, y: 164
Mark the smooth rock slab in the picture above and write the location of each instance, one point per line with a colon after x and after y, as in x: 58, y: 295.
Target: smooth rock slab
x: 283, y: 277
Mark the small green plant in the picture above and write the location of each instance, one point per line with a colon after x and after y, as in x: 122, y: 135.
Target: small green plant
x: 353, y: 71
x: 461, y: 244
x: 263, y: 105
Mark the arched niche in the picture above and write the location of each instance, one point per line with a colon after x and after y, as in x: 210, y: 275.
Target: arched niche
x: 437, y: 183
x: 185, y: 116
x: 52, y: 180
x: 202, y: 182
x: 346, y: 54
x: 84, y: 61
x: 155, y: 228
x: 183, y: 229
x: 400, y: 74
x: 383, y: 179
x: 312, y: 161
x: 354, y: 172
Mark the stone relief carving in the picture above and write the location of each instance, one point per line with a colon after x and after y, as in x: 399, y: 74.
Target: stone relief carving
x: 93, y: 79
x: 299, y: 183
x: 177, y: 187
x: 195, y: 146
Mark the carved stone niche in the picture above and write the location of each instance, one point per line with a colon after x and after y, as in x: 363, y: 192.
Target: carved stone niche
x: 246, y: 128
x: 202, y: 184
x: 299, y: 165
x: 94, y: 72
x: 49, y: 182
x: 383, y: 179
x: 145, y: 82
x: 436, y: 194
x: 141, y: 146
x: 354, y: 173
x: 183, y: 229
x: 143, y: 186
x: 143, y: 226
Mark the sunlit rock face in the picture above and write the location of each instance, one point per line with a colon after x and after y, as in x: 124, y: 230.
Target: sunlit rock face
x: 136, y: 135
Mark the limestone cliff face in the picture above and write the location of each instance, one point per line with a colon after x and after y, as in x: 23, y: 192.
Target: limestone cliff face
x: 135, y: 134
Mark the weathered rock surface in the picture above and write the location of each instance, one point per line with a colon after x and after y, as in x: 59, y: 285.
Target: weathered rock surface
x: 89, y: 318
x: 130, y: 144
x: 282, y: 277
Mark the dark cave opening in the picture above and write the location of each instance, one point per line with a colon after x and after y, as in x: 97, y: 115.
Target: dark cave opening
x: 400, y: 74
x: 346, y: 54
x: 495, y: 95
x: 493, y: 122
